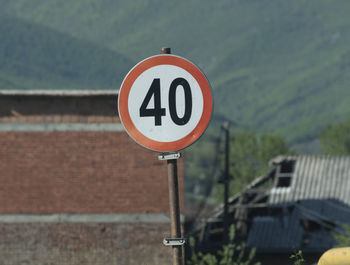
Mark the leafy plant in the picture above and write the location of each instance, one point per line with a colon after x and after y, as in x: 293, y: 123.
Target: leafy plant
x: 297, y: 258
x: 230, y: 254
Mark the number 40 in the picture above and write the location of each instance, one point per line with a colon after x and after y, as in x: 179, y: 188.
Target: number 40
x: 158, y: 112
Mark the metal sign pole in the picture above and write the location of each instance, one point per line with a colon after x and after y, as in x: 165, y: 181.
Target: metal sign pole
x: 176, y: 242
x: 173, y: 202
x: 174, y: 209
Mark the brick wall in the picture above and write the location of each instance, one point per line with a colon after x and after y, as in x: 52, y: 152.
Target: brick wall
x: 80, y: 172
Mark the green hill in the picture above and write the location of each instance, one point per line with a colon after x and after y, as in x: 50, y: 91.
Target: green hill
x: 35, y: 57
x: 275, y: 66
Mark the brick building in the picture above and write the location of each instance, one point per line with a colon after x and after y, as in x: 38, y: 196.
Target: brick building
x: 75, y: 189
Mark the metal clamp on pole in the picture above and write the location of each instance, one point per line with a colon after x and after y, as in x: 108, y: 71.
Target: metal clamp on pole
x: 169, y: 156
x: 174, y: 241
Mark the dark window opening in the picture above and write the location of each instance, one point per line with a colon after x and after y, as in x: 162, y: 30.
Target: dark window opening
x: 287, y: 166
x: 284, y: 182
x: 284, y: 176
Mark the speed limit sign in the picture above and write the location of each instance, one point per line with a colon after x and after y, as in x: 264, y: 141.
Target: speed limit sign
x: 165, y: 103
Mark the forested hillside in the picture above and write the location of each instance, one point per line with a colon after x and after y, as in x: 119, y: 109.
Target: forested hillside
x: 275, y: 66
x: 35, y: 57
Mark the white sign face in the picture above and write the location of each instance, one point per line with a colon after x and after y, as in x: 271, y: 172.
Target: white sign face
x: 165, y: 103
x: 164, y: 128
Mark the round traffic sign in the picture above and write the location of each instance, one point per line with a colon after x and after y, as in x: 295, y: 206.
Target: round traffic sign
x: 165, y: 103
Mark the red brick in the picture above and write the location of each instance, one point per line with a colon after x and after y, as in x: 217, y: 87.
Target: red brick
x: 80, y: 172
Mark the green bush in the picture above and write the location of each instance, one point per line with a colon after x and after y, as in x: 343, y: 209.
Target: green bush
x: 230, y: 254
x: 297, y: 258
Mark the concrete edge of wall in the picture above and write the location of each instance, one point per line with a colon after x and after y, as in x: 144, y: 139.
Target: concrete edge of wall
x: 60, y: 127
x: 85, y: 218
x: 61, y: 92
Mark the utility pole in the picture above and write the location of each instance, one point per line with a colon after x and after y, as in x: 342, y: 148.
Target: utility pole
x: 226, y: 179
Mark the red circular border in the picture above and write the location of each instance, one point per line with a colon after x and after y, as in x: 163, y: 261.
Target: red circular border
x: 124, y: 96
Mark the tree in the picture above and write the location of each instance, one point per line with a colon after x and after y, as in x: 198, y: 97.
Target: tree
x: 335, y: 139
x: 201, y: 165
x: 249, y: 157
x: 250, y: 154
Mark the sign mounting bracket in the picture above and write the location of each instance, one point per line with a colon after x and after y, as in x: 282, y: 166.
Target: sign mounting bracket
x: 169, y: 156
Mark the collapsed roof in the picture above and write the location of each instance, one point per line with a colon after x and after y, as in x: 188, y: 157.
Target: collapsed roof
x: 298, y: 204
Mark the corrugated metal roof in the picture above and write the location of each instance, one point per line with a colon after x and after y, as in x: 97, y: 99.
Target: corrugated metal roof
x: 319, y: 193
x: 282, y: 233
x: 285, y: 233
x: 308, y: 203
x: 315, y: 178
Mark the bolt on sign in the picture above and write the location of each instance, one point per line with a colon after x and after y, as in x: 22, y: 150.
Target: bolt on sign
x: 165, y: 103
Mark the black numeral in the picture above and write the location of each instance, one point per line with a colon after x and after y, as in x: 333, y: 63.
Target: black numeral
x: 157, y: 111
x: 188, y: 101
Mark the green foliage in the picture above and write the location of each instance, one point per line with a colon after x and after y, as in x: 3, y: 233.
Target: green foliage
x: 199, y: 165
x: 230, y: 254
x: 343, y: 239
x: 250, y: 154
x: 297, y: 258
x: 335, y: 140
